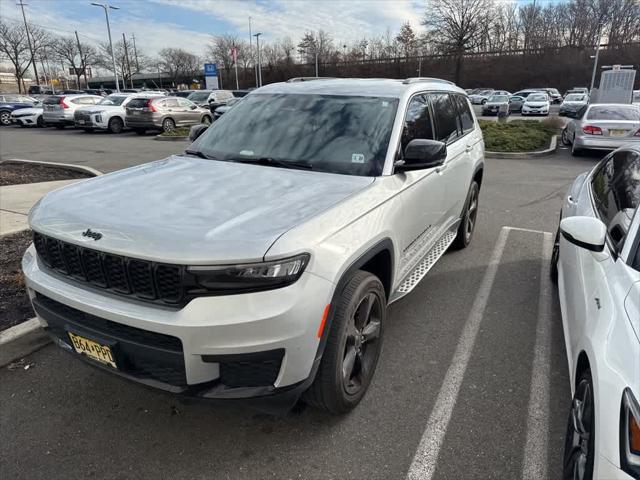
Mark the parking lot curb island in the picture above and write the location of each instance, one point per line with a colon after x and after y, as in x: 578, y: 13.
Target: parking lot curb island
x: 21, y: 340
x: 553, y: 145
x: 68, y: 166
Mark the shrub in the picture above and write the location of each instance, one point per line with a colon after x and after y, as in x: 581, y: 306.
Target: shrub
x: 176, y: 132
x: 516, y: 136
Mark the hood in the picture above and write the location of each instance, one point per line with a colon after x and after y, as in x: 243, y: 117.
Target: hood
x: 495, y: 104
x: 189, y: 210
x: 573, y: 104
x: 536, y: 104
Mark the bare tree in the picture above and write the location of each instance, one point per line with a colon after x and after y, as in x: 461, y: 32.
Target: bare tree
x: 15, y: 48
x: 181, y: 65
x: 78, y: 58
x: 457, y: 25
x: 220, y: 50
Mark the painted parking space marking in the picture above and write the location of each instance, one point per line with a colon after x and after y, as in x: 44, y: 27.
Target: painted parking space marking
x: 425, y: 459
x: 535, y: 452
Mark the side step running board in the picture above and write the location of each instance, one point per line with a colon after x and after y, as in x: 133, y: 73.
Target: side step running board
x: 422, y: 268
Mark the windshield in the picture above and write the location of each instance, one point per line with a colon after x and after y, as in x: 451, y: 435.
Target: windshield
x: 199, y: 96
x: 537, y: 97
x: 486, y: 92
x: 330, y: 133
x: 499, y: 99
x: 617, y: 112
x: 112, y: 100
x: 574, y: 97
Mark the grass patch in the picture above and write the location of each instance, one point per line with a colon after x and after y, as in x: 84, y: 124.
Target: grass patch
x: 177, y: 132
x: 516, y: 136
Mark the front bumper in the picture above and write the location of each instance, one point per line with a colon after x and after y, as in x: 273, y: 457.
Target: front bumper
x: 236, y: 346
x: 597, y: 142
x: 537, y: 111
x: 95, y: 120
x: 27, y: 120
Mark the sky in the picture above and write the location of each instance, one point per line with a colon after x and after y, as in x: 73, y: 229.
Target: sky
x: 189, y: 24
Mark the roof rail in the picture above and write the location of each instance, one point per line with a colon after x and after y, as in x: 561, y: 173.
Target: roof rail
x: 407, y: 81
x: 308, y: 79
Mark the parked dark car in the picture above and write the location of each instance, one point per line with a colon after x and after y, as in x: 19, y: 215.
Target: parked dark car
x: 222, y: 109
x: 515, y: 103
x: 183, y: 93
x: 40, y: 90
x: 10, y: 102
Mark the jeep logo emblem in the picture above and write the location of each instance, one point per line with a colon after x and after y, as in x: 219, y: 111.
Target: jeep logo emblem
x: 95, y: 235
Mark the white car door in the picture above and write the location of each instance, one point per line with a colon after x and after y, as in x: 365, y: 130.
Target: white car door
x: 455, y: 174
x: 422, y: 192
x: 592, y: 278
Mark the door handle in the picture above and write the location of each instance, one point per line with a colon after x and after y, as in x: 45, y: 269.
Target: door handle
x: 469, y: 148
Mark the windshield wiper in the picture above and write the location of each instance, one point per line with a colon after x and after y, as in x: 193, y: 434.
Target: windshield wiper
x: 200, y: 154
x: 275, y: 162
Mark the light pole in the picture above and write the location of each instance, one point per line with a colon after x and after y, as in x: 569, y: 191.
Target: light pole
x: 26, y: 27
x: 106, y: 7
x: 257, y: 35
x: 595, y: 59
x: 255, y: 67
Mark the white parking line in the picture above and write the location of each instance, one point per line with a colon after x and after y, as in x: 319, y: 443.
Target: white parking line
x: 425, y: 459
x: 535, y: 453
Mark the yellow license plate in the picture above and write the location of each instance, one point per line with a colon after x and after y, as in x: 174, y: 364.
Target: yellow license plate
x: 617, y: 132
x: 93, y: 350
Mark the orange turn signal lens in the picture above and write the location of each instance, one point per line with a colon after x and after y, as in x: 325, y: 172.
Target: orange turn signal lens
x: 634, y: 435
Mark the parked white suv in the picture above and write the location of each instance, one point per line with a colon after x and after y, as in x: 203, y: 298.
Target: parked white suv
x: 596, y: 262
x: 109, y: 113
x: 261, y: 262
x: 58, y: 110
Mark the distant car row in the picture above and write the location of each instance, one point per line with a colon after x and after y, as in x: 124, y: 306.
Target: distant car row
x: 139, y: 111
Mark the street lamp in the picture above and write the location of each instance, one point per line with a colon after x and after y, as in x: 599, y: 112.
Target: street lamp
x: 106, y: 7
x: 595, y: 58
x: 257, y: 35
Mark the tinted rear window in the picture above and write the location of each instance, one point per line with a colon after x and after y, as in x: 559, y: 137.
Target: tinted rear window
x: 138, y: 103
x: 617, y: 112
x: 52, y: 100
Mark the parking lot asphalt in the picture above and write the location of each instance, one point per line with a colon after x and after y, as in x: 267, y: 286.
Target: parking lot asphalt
x: 472, y: 380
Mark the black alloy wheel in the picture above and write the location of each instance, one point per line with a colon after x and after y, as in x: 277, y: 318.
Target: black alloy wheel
x: 580, y: 438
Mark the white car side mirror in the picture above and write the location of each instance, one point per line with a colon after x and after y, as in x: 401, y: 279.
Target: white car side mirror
x: 585, y: 232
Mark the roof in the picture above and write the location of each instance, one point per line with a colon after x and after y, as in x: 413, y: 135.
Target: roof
x: 375, y: 87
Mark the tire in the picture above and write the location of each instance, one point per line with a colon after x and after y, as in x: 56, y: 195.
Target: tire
x: 351, y: 354
x: 5, y: 118
x: 579, y: 443
x: 140, y: 131
x: 483, y: 102
x: 565, y: 137
x: 168, y: 125
x: 40, y: 122
x: 469, y: 218
x: 115, y: 125
x: 555, y: 258
x: 206, y: 119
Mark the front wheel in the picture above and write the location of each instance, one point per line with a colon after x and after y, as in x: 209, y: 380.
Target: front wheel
x: 5, y: 118
x: 469, y: 217
x: 555, y: 258
x: 579, y: 444
x: 116, y: 125
x: 206, y: 120
x: 353, y: 345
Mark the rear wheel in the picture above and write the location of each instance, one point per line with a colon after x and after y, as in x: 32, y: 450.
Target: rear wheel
x: 469, y: 217
x: 353, y: 345
x: 565, y: 137
x: 5, y: 118
x: 576, y: 152
x: 579, y: 444
x: 116, y: 125
x: 168, y: 125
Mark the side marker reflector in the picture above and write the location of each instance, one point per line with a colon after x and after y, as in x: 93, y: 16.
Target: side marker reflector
x: 324, y: 320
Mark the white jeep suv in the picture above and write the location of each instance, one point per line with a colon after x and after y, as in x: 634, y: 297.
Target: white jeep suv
x: 260, y: 263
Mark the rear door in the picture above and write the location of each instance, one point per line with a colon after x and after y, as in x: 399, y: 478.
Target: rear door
x: 189, y: 112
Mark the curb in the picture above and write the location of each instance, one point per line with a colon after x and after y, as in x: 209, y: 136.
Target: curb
x: 524, y: 155
x: 21, y: 340
x: 160, y: 138
x: 69, y: 166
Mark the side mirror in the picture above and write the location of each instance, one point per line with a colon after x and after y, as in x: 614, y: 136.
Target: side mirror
x: 196, y: 131
x: 585, y: 232
x: 421, y: 153
x: 193, y: 107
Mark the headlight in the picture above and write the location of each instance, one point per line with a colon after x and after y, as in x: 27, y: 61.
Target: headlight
x: 630, y: 435
x: 250, y: 277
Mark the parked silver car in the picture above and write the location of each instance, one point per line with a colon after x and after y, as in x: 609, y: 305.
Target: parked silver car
x: 59, y: 110
x: 604, y: 126
x: 496, y: 104
x: 211, y: 98
x: 164, y: 113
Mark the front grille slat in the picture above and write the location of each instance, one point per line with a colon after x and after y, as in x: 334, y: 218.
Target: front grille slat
x: 122, y: 275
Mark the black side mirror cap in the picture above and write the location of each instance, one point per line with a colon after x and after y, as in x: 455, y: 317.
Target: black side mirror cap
x: 196, y: 131
x: 422, y: 153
